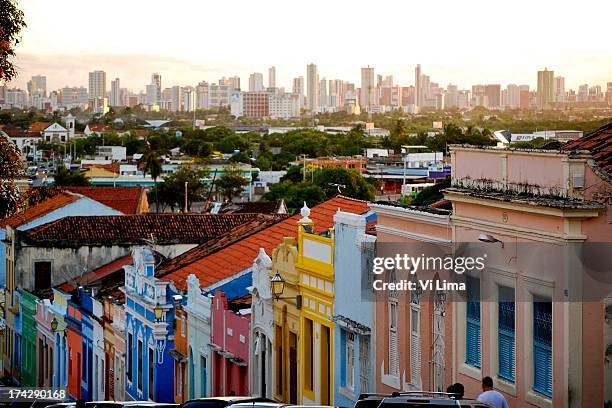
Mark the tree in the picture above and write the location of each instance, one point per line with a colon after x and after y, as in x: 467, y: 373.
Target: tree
x: 231, y: 184
x: 295, y: 194
x: 65, y: 177
x: 432, y: 194
x: 346, y: 182
x: 11, y: 23
x: 153, y: 166
x: 11, y: 167
x: 172, y: 191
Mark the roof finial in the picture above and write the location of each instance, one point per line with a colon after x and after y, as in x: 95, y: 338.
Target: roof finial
x: 305, y: 212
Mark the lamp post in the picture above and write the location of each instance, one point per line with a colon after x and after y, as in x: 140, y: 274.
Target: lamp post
x: 278, y: 287
x: 158, y: 311
x: 54, y: 324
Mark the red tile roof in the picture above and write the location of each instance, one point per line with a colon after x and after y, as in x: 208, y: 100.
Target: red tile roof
x: 38, y: 127
x: 100, y: 128
x: 241, y: 254
x: 128, y: 200
x: 36, y: 211
x: 111, y: 271
x: 599, y: 143
x: 134, y: 229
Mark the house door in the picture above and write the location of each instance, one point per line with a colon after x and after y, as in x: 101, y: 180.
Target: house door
x: 202, y: 376
x: 325, y: 365
x: 293, y: 397
x: 262, y: 364
x: 437, y: 358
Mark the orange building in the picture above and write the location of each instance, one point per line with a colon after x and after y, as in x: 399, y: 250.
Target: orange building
x: 180, y: 353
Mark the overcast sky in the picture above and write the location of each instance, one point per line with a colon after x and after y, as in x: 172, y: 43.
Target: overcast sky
x: 461, y: 42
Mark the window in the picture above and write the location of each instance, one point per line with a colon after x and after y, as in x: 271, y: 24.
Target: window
x: 151, y: 362
x: 542, y: 346
x: 308, y: 354
x: 129, y: 356
x: 364, y: 357
x: 506, y: 337
x: 42, y: 275
x: 472, y: 327
x: 350, y: 360
x: 279, y: 360
x: 393, y: 341
x: 139, y: 373
x: 415, y: 345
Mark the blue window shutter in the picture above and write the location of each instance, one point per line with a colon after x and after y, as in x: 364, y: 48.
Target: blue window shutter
x: 343, y: 357
x: 506, y: 334
x: 472, y: 327
x: 542, y: 347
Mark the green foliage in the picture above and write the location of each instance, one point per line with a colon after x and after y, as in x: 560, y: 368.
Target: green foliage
x: 11, y: 167
x: 65, y: 177
x: 171, y: 193
x: 231, y: 184
x: 432, y: 194
x: 321, y: 186
x: 11, y: 23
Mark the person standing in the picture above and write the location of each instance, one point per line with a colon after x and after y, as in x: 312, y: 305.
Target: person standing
x: 489, y: 396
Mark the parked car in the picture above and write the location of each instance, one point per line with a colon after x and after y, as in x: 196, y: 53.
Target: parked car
x: 259, y: 404
x: 222, y: 402
x: 417, y: 399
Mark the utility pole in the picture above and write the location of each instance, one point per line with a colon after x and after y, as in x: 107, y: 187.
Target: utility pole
x: 186, y: 196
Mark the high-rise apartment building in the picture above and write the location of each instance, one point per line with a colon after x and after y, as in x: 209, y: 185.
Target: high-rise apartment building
x: 115, y: 93
x: 450, y: 101
x: 524, y: 93
x: 312, y: 87
x: 201, y: 95
x: 37, y: 85
x: 256, y: 83
x: 323, y: 100
x: 97, y: 84
x: 546, y: 88
x: 298, y: 89
x: 272, y: 77
x: 189, y: 100
x: 560, y: 89
x: 493, y: 95
x: 418, y: 88
x: 368, y: 89
x: 513, y: 97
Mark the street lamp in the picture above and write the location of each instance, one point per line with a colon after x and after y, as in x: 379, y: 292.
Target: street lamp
x: 278, y: 287
x: 159, y: 312
x: 54, y: 324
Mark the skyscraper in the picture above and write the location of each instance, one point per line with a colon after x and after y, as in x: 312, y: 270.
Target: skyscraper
x: 418, y: 88
x: 323, y: 97
x: 298, y: 89
x: 256, y: 82
x: 513, y: 96
x: 493, y: 95
x: 560, y: 89
x: 546, y: 87
x: 368, y: 89
x: 272, y: 77
x: 97, y: 84
x: 312, y: 87
x: 38, y: 84
x: 157, y: 88
x: 115, y: 93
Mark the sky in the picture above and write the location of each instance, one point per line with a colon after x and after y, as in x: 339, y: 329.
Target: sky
x: 461, y: 42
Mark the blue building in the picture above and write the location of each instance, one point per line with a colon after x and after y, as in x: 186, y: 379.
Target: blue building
x: 59, y: 308
x: 149, y: 309
x: 353, y: 309
x: 93, y: 346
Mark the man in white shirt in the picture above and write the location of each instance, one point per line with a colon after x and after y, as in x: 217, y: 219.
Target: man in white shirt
x: 489, y: 396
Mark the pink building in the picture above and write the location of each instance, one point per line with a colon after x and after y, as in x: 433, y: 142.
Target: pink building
x: 413, y: 331
x: 230, y: 325
x: 523, y: 322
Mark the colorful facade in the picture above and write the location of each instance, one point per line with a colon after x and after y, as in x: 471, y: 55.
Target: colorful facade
x: 149, y: 339
x: 199, y: 355
x: 74, y: 341
x: 29, y: 339
x: 230, y: 321
x: 61, y: 360
x: 114, y: 349
x: 353, y: 308
x: 46, y: 346
x: 180, y: 354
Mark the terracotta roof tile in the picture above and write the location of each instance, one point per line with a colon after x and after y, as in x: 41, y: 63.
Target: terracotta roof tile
x: 127, y: 200
x: 101, y: 128
x: 39, y: 126
x: 599, y: 143
x: 38, y: 210
x: 134, y: 229
x: 241, y: 254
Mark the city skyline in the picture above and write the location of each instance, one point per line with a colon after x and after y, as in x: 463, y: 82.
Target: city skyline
x: 195, y: 52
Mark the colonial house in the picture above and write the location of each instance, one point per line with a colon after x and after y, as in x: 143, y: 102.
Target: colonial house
x: 55, y: 133
x: 230, y: 344
x: 534, y: 320
x: 97, y: 129
x: 413, y: 338
x: 261, y: 356
x: 149, y: 310
x: 353, y: 307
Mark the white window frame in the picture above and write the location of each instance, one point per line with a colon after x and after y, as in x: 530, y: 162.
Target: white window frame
x: 415, y: 352
x: 350, y: 360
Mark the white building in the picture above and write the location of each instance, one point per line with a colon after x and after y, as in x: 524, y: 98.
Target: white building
x: 97, y: 84
x: 312, y: 90
x: 55, y: 133
x: 112, y: 153
x: 284, y: 106
x: 272, y: 77
x: 115, y: 93
x: 256, y: 82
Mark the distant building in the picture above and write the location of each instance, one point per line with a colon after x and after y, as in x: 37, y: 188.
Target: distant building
x: 312, y: 90
x: 97, y: 84
x: 546, y: 88
x: 272, y: 77
x: 256, y: 82
x: 115, y: 93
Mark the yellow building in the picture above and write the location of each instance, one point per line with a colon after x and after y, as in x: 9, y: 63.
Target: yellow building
x: 303, y: 316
